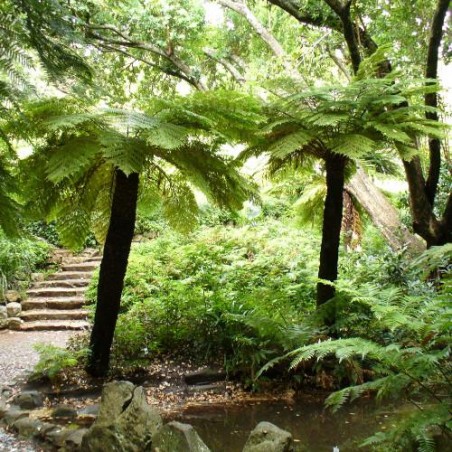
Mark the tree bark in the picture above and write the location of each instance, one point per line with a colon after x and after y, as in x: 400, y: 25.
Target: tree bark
x: 431, y: 99
x: 382, y: 213
x: 112, y: 271
x: 331, y: 229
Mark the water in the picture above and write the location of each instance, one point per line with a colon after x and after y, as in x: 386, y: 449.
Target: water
x: 314, y: 429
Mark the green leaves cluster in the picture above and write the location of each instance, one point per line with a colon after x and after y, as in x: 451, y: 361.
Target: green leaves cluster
x: 230, y: 292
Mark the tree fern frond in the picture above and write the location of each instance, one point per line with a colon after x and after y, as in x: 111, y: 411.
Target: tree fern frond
x: 72, y: 157
x: 73, y: 224
x: 124, y: 152
x: 352, y: 145
x: 180, y: 207
x: 309, y: 206
x: 287, y: 144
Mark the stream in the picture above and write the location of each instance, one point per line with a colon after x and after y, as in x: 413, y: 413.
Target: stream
x: 314, y: 429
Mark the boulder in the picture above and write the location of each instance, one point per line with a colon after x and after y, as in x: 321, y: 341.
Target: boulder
x: 4, y: 324
x: 26, y: 427
x: 3, y: 408
x: 178, y: 437
x: 13, y: 414
x: 35, y: 277
x: 73, y: 441
x: 267, y: 437
x: 12, y: 296
x: 58, y: 436
x: 3, y: 312
x: 14, y: 323
x: 29, y: 400
x: 13, y: 309
x: 64, y: 411
x: 125, y: 421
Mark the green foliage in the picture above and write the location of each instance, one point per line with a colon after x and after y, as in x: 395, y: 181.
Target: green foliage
x: 55, y: 360
x: 222, y: 293
x: 405, y: 340
x: 79, y: 149
x: 18, y: 259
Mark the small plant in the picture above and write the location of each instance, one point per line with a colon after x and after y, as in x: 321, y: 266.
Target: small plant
x: 55, y: 360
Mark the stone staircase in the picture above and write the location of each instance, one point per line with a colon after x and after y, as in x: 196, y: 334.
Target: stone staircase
x: 57, y: 302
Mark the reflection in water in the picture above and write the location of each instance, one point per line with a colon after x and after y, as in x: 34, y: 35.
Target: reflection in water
x: 314, y: 428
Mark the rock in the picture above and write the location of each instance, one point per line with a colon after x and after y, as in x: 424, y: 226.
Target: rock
x: 178, y: 437
x: 214, y: 388
x: 90, y: 410
x: 36, y: 277
x: 12, y: 296
x: 13, y: 414
x: 125, y: 421
x: 57, y: 437
x: 3, y: 313
x: 29, y: 400
x: 267, y: 437
x: 14, y: 323
x: 64, y: 411
x: 13, y: 309
x: 204, y: 376
x: 26, y: 427
x: 73, y: 441
x: 4, y: 324
x: 3, y: 408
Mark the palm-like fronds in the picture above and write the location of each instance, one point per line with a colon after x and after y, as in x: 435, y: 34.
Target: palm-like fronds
x: 82, y: 148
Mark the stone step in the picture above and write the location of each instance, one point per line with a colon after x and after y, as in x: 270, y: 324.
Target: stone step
x: 54, y: 314
x: 56, y: 292
x: 81, y: 266
x: 54, y: 325
x: 70, y: 275
x: 62, y: 283
x: 52, y: 303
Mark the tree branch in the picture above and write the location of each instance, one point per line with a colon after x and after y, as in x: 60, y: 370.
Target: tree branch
x: 431, y: 99
x: 238, y: 77
x: 128, y: 42
x: 349, y: 32
x: 274, y: 45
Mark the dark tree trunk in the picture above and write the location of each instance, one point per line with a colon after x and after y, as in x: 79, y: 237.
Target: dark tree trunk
x: 431, y: 99
x: 331, y: 230
x: 112, y: 271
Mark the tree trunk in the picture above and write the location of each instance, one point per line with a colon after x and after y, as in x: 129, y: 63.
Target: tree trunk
x: 382, y: 213
x: 112, y: 271
x: 331, y: 229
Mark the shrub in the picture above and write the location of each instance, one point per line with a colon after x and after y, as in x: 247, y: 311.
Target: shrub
x: 18, y: 259
x: 227, y: 293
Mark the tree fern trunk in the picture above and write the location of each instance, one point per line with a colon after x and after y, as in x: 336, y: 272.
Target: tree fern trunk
x: 112, y: 271
x: 331, y: 229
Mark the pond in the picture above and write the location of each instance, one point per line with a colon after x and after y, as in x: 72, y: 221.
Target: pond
x: 314, y: 428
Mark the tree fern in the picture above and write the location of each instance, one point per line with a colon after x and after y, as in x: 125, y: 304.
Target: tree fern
x: 412, y: 364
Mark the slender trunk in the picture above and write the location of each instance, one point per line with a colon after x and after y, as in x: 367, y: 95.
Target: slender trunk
x: 112, y: 271
x: 431, y: 99
x: 331, y: 230
x: 382, y: 213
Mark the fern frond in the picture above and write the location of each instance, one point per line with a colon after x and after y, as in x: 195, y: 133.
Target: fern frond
x: 72, y: 157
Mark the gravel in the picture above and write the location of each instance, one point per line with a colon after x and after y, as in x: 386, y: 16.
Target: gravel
x: 17, y: 358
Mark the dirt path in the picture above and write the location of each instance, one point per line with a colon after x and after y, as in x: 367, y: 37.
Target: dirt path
x: 17, y: 356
